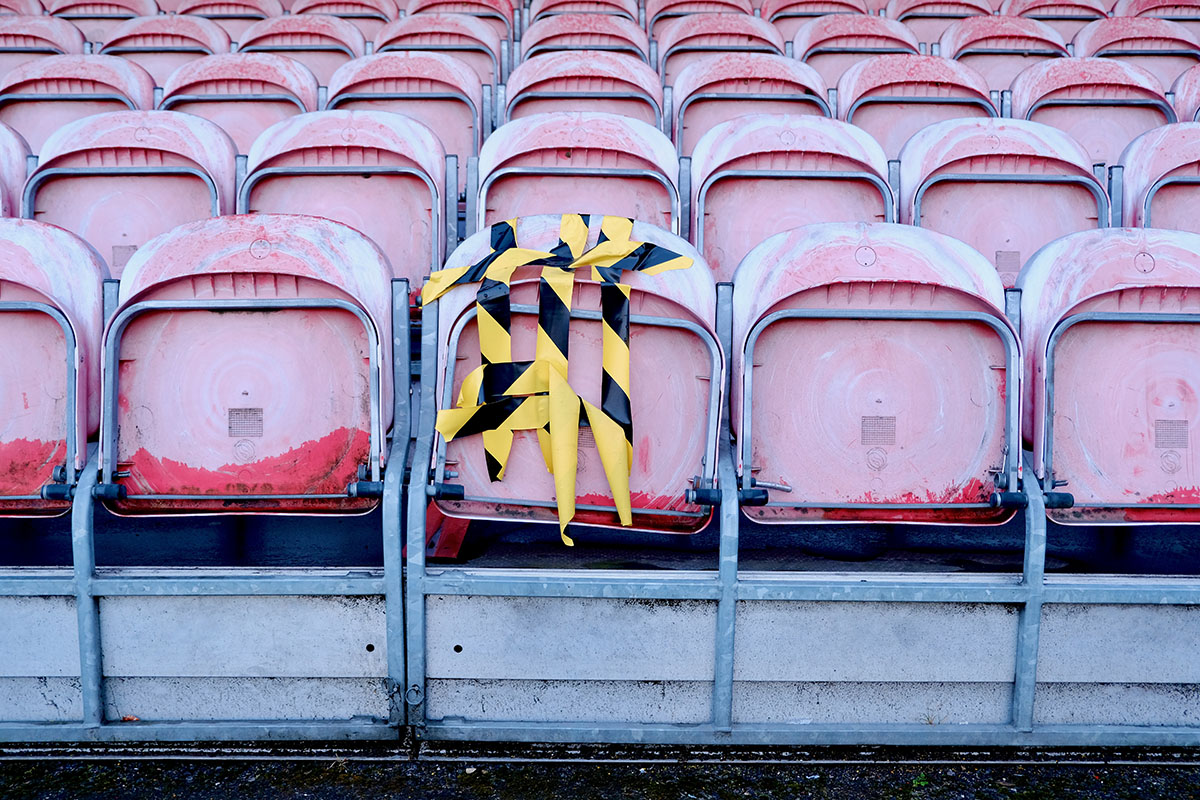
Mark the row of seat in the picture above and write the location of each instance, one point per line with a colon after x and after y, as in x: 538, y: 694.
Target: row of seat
x: 876, y: 375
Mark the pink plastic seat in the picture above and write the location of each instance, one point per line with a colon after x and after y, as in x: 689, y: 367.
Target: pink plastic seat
x: 121, y: 178
x: 369, y: 16
x: 1113, y: 355
x: 732, y: 85
x: 244, y: 93
x: 498, y: 14
x: 1101, y: 102
x: 39, y: 97
x: 576, y: 159
x: 162, y: 44
x: 700, y: 37
x: 216, y: 406
x: 833, y: 44
x: 614, y: 83
x: 381, y: 173
x: 659, y: 12
x: 1166, y: 49
x: 50, y: 319
x: 234, y: 16
x: 460, y: 35
x: 22, y: 8
x: 1182, y: 12
x: 674, y: 364
x: 884, y: 384
x: 893, y: 97
x: 1187, y: 95
x: 1005, y: 187
x: 929, y: 19
x: 96, y: 19
x: 14, y: 158
x: 1065, y: 16
x: 434, y: 88
x: 789, y: 15
x: 24, y: 39
x: 755, y: 176
x: 319, y: 42
x: 548, y: 8
x: 998, y: 48
x: 575, y: 32
x: 1161, y: 178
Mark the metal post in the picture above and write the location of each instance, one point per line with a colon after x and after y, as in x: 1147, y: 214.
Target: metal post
x: 83, y: 553
x: 1029, y: 624
x: 393, y: 505
x: 727, y: 570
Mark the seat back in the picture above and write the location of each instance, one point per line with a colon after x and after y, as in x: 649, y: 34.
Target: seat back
x: 216, y: 406
x: 539, y: 9
x: 788, y: 16
x: 804, y: 169
x: 465, y: 37
x: 615, y: 83
x: 661, y: 12
x: 319, y: 42
x: 1109, y: 321
x: 875, y: 378
x: 1187, y: 95
x: 497, y: 14
x: 998, y: 48
x: 833, y: 44
x: 369, y: 16
x: 1161, y: 178
x: 161, y: 44
x: 573, y: 32
x: 234, y: 16
x: 14, y: 163
x: 929, y: 19
x: 1065, y: 16
x: 1182, y: 12
x: 1164, y: 48
x: 701, y: 37
x: 25, y: 38
x: 96, y: 19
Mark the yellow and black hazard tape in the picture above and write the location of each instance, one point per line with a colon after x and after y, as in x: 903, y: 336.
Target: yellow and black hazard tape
x: 503, y: 395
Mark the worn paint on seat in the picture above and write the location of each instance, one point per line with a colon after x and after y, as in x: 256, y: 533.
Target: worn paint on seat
x: 833, y: 44
x: 1162, y: 178
x: 998, y: 48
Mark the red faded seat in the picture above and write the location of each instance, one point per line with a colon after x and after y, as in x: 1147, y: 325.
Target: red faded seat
x: 30, y: 8
x: 322, y: 43
x: 460, y: 35
x: 234, y: 16
x: 1187, y: 95
x: 614, y: 83
x: 1183, y: 12
x: 369, y: 16
x: 833, y: 44
x: 659, y: 12
x: 97, y: 18
x: 162, y: 44
x: 929, y: 19
x: 498, y: 14
x: 998, y: 48
x: 700, y: 37
x: 1065, y: 16
x: 574, y: 32
x: 23, y: 39
x: 14, y: 159
x: 548, y: 8
x: 789, y: 15
x: 1164, y: 48
x: 1161, y: 176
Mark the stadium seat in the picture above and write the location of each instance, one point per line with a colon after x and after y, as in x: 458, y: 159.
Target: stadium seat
x: 244, y: 93
x: 161, y: 44
x: 928, y: 19
x: 14, y: 158
x: 1166, y: 49
x: 1108, y: 320
x: 1187, y: 95
x: 998, y: 48
x: 614, y: 83
x: 1065, y: 16
x: 39, y: 97
x: 674, y: 391
x: 756, y: 176
x: 875, y: 378
x: 121, y: 178
x: 1183, y: 12
x: 700, y: 37
x: 660, y: 12
x: 321, y: 43
x: 1025, y: 184
x: 573, y: 159
x: 1161, y: 178
x: 539, y: 9
x: 498, y: 14
x: 1102, y: 102
x: 381, y: 173
x: 789, y: 15
x: 216, y: 406
x: 50, y: 320
x: 369, y: 16
x: 732, y: 85
x: 460, y: 35
x: 234, y: 16
x: 24, y: 38
x: 833, y: 44
x: 22, y: 8
x: 893, y: 97
x: 575, y: 32
x: 96, y: 19
x: 434, y: 88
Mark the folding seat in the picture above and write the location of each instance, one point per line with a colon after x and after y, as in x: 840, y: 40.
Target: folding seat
x: 216, y: 406
x: 998, y: 48
x: 460, y: 35
x: 603, y: 475
x: 755, y: 176
x: 893, y: 97
x: 14, y: 161
x: 234, y: 16
x: 244, y: 93
x: 700, y: 37
x: 1109, y: 321
x: 875, y: 379
x: 50, y: 320
x: 1182, y: 12
x: 578, y: 159
x: 25, y: 38
x: 1166, y: 49
x: 833, y: 44
x: 498, y: 14
x: 369, y: 16
x: 120, y: 178
x: 379, y: 172
x: 659, y: 12
x: 929, y: 19
x: 434, y: 88
x: 1103, y: 103
x: 574, y: 32
x: 97, y: 18
x: 1161, y: 178
x: 161, y: 44
x: 614, y: 83
x: 319, y: 42
x: 731, y: 85
x: 789, y: 15
x: 548, y: 8
x: 1065, y: 16
x: 1005, y: 187
x: 1187, y: 95
x: 39, y: 97
x: 22, y: 8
